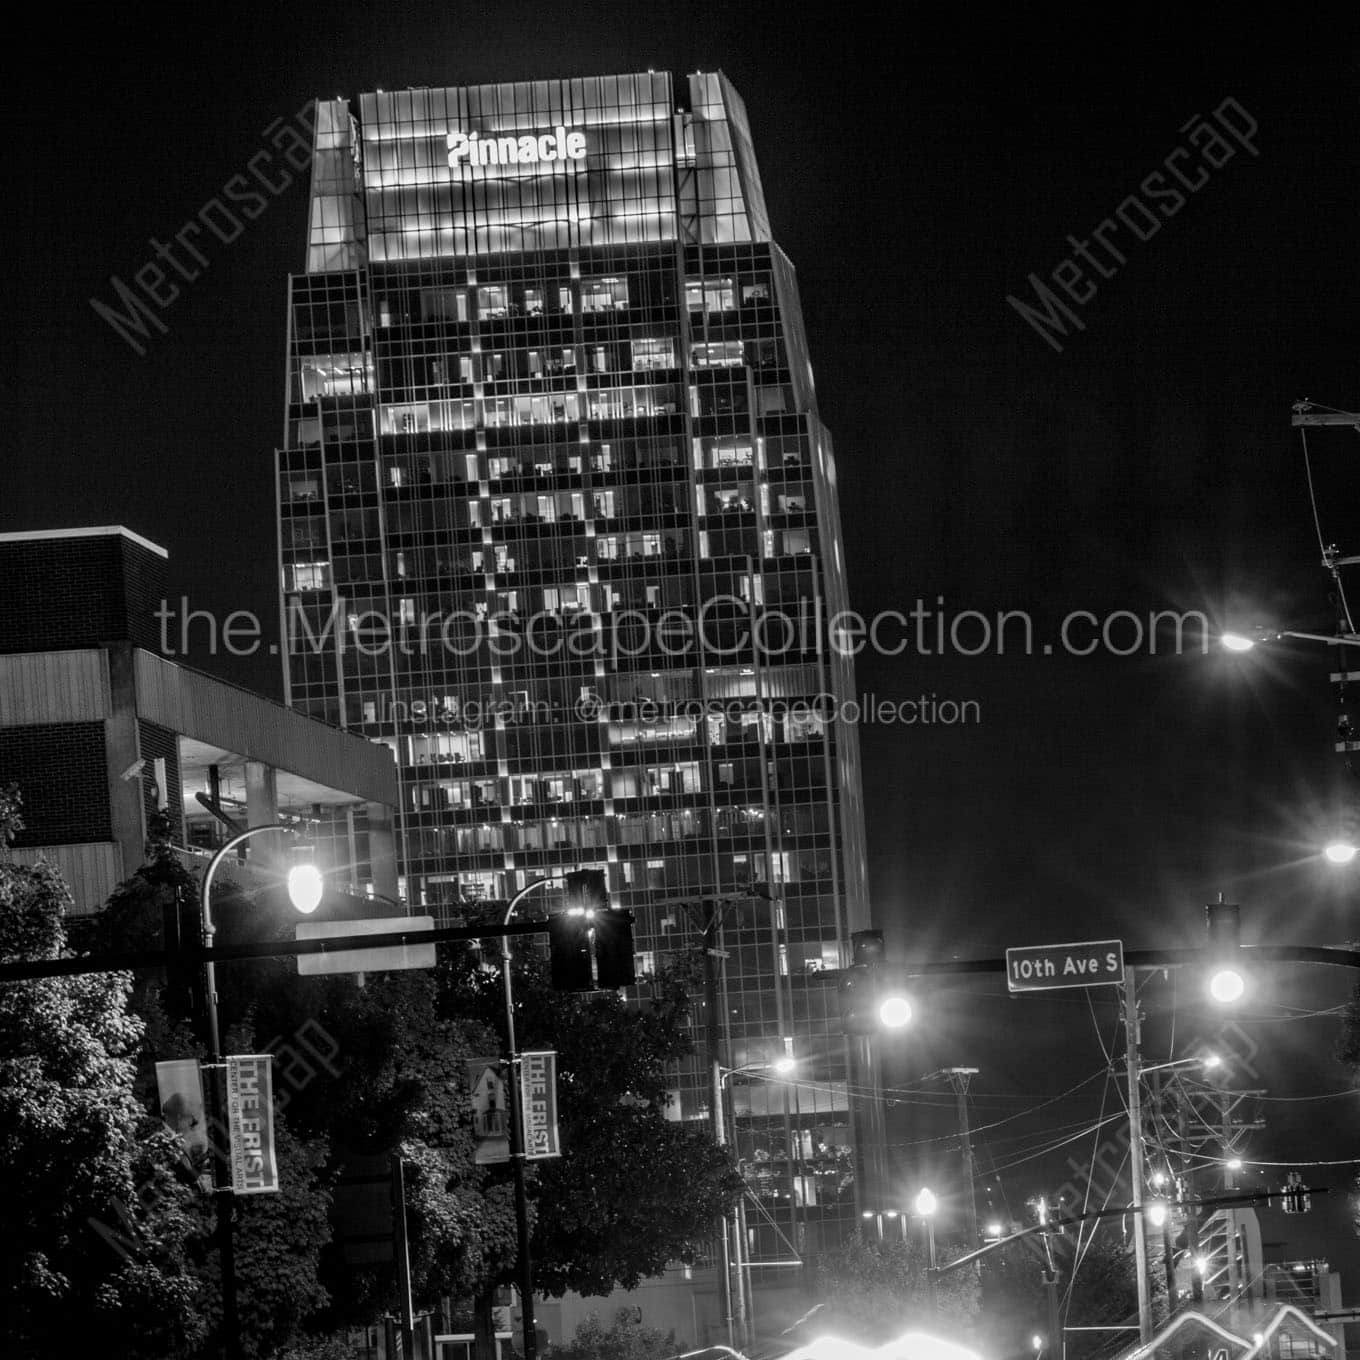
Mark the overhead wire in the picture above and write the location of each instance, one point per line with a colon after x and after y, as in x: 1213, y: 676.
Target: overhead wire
x: 1061, y: 1142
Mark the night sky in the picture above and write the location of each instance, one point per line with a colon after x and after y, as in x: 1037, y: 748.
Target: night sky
x: 917, y: 171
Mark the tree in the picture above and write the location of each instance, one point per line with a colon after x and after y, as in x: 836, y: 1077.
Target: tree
x: 403, y: 1041
x: 83, y: 1252
x: 599, y: 1225
x: 872, y: 1291
x: 395, y: 1082
x: 624, y: 1339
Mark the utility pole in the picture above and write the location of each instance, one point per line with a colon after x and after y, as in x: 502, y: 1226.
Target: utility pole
x: 733, y: 1298
x: 958, y: 1079
x: 732, y: 1286
x: 1191, y: 1209
x: 1132, y: 1038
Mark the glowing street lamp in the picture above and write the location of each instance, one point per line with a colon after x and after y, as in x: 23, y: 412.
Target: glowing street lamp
x: 1340, y: 851
x: 926, y: 1204
x: 1242, y: 642
x: 306, y: 887
x: 1156, y: 1212
x: 895, y: 1012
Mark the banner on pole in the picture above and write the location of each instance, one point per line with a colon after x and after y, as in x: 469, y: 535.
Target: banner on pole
x: 250, y: 1122
x: 490, y: 1110
x: 179, y: 1088
x: 538, y: 1101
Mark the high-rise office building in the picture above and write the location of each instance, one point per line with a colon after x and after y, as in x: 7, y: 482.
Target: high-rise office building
x: 558, y: 523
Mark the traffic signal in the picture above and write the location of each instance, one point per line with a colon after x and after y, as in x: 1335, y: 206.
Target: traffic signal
x: 1226, y: 978
x: 1294, y: 1196
x: 586, y: 890
x: 590, y: 944
x: 569, y: 952
x: 615, y: 963
x: 859, y: 983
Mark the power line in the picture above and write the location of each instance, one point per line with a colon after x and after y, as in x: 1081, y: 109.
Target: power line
x: 1062, y: 1142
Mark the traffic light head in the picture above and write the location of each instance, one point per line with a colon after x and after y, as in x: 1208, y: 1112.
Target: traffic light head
x: 612, y: 935
x: 592, y: 952
x: 872, y: 995
x: 569, y: 952
x: 591, y: 945
x: 867, y: 947
x: 858, y: 990
x: 1225, y: 976
x: 586, y: 890
x: 1294, y: 1196
x: 1223, y: 921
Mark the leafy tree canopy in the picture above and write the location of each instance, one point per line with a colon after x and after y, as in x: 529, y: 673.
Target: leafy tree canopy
x: 82, y: 1252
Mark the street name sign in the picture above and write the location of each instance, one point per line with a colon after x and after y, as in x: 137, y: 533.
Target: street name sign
x: 1045, y: 967
x: 385, y: 959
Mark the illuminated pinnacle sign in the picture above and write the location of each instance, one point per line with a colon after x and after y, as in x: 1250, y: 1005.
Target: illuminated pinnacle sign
x: 472, y: 149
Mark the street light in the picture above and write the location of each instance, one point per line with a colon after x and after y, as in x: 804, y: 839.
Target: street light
x: 1208, y: 1061
x: 304, y: 887
x: 783, y: 1066
x: 1242, y: 642
x: 895, y: 1012
x: 926, y: 1205
x: 1156, y: 1212
x: 517, y: 1145
x: 1340, y: 851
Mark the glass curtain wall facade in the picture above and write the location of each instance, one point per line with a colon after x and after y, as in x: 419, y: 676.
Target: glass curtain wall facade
x: 558, y: 524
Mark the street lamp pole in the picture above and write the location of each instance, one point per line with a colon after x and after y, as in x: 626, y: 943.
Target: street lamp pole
x: 926, y: 1204
x: 517, y: 1148
x: 226, y: 1205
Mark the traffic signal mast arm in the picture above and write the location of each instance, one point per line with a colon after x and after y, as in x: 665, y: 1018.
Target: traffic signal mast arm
x: 155, y: 958
x: 1059, y: 1221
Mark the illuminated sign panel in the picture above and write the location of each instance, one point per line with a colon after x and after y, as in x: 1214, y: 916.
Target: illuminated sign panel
x: 472, y: 149
x: 508, y: 169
